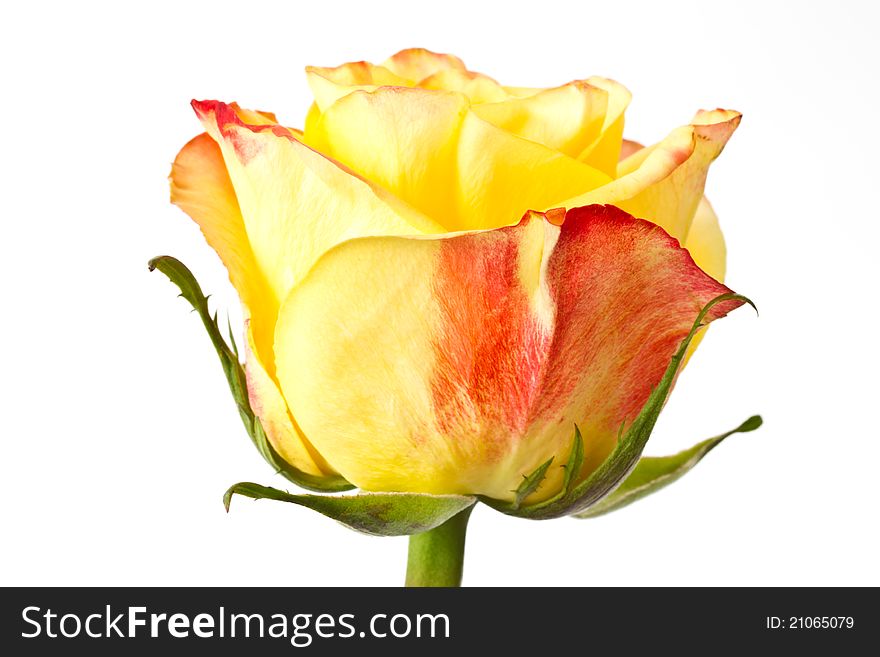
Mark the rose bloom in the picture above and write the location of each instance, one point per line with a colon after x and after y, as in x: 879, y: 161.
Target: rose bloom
x: 436, y: 282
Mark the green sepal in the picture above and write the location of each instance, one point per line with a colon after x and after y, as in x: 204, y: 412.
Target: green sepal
x: 378, y: 514
x: 615, y: 469
x: 572, y: 469
x: 575, y: 461
x: 531, y: 482
x: 190, y: 290
x: 655, y: 472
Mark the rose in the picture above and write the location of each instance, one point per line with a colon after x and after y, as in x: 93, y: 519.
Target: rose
x: 422, y: 313
x: 446, y: 292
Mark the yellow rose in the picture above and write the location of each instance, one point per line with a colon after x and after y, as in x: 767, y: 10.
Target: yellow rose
x: 433, y: 297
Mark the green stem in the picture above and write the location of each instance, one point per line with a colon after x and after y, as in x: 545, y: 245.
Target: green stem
x: 436, y: 557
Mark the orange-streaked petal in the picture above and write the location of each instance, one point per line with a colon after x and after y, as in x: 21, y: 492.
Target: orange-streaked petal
x: 468, y: 359
x: 704, y: 241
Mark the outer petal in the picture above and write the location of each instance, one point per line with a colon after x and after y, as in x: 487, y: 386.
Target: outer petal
x: 430, y: 150
x: 467, y: 359
x: 269, y: 405
x: 664, y: 183
x: 704, y: 241
x: 296, y: 203
x: 200, y: 186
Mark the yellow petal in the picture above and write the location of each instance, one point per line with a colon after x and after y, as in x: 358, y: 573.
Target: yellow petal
x: 705, y: 241
x: 312, y: 118
x: 402, y: 139
x: 430, y: 150
x: 477, y: 87
x: 501, y: 176
x: 269, y: 405
x: 355, y: 73
x: 604, y: 153
x: 253, y: 117
x: 201, y: 187
x: 664, y: 183
x: 416, y: 64
x: 289, y: 205
x: 295, y: 202
x: 567, y: 118
x: 628, y: 147
x: 522, y: 92
x: 706, y: 245
x: 583, y: 119
x: 330, y: 84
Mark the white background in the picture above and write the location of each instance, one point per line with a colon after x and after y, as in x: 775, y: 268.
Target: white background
x: 118, y: 432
